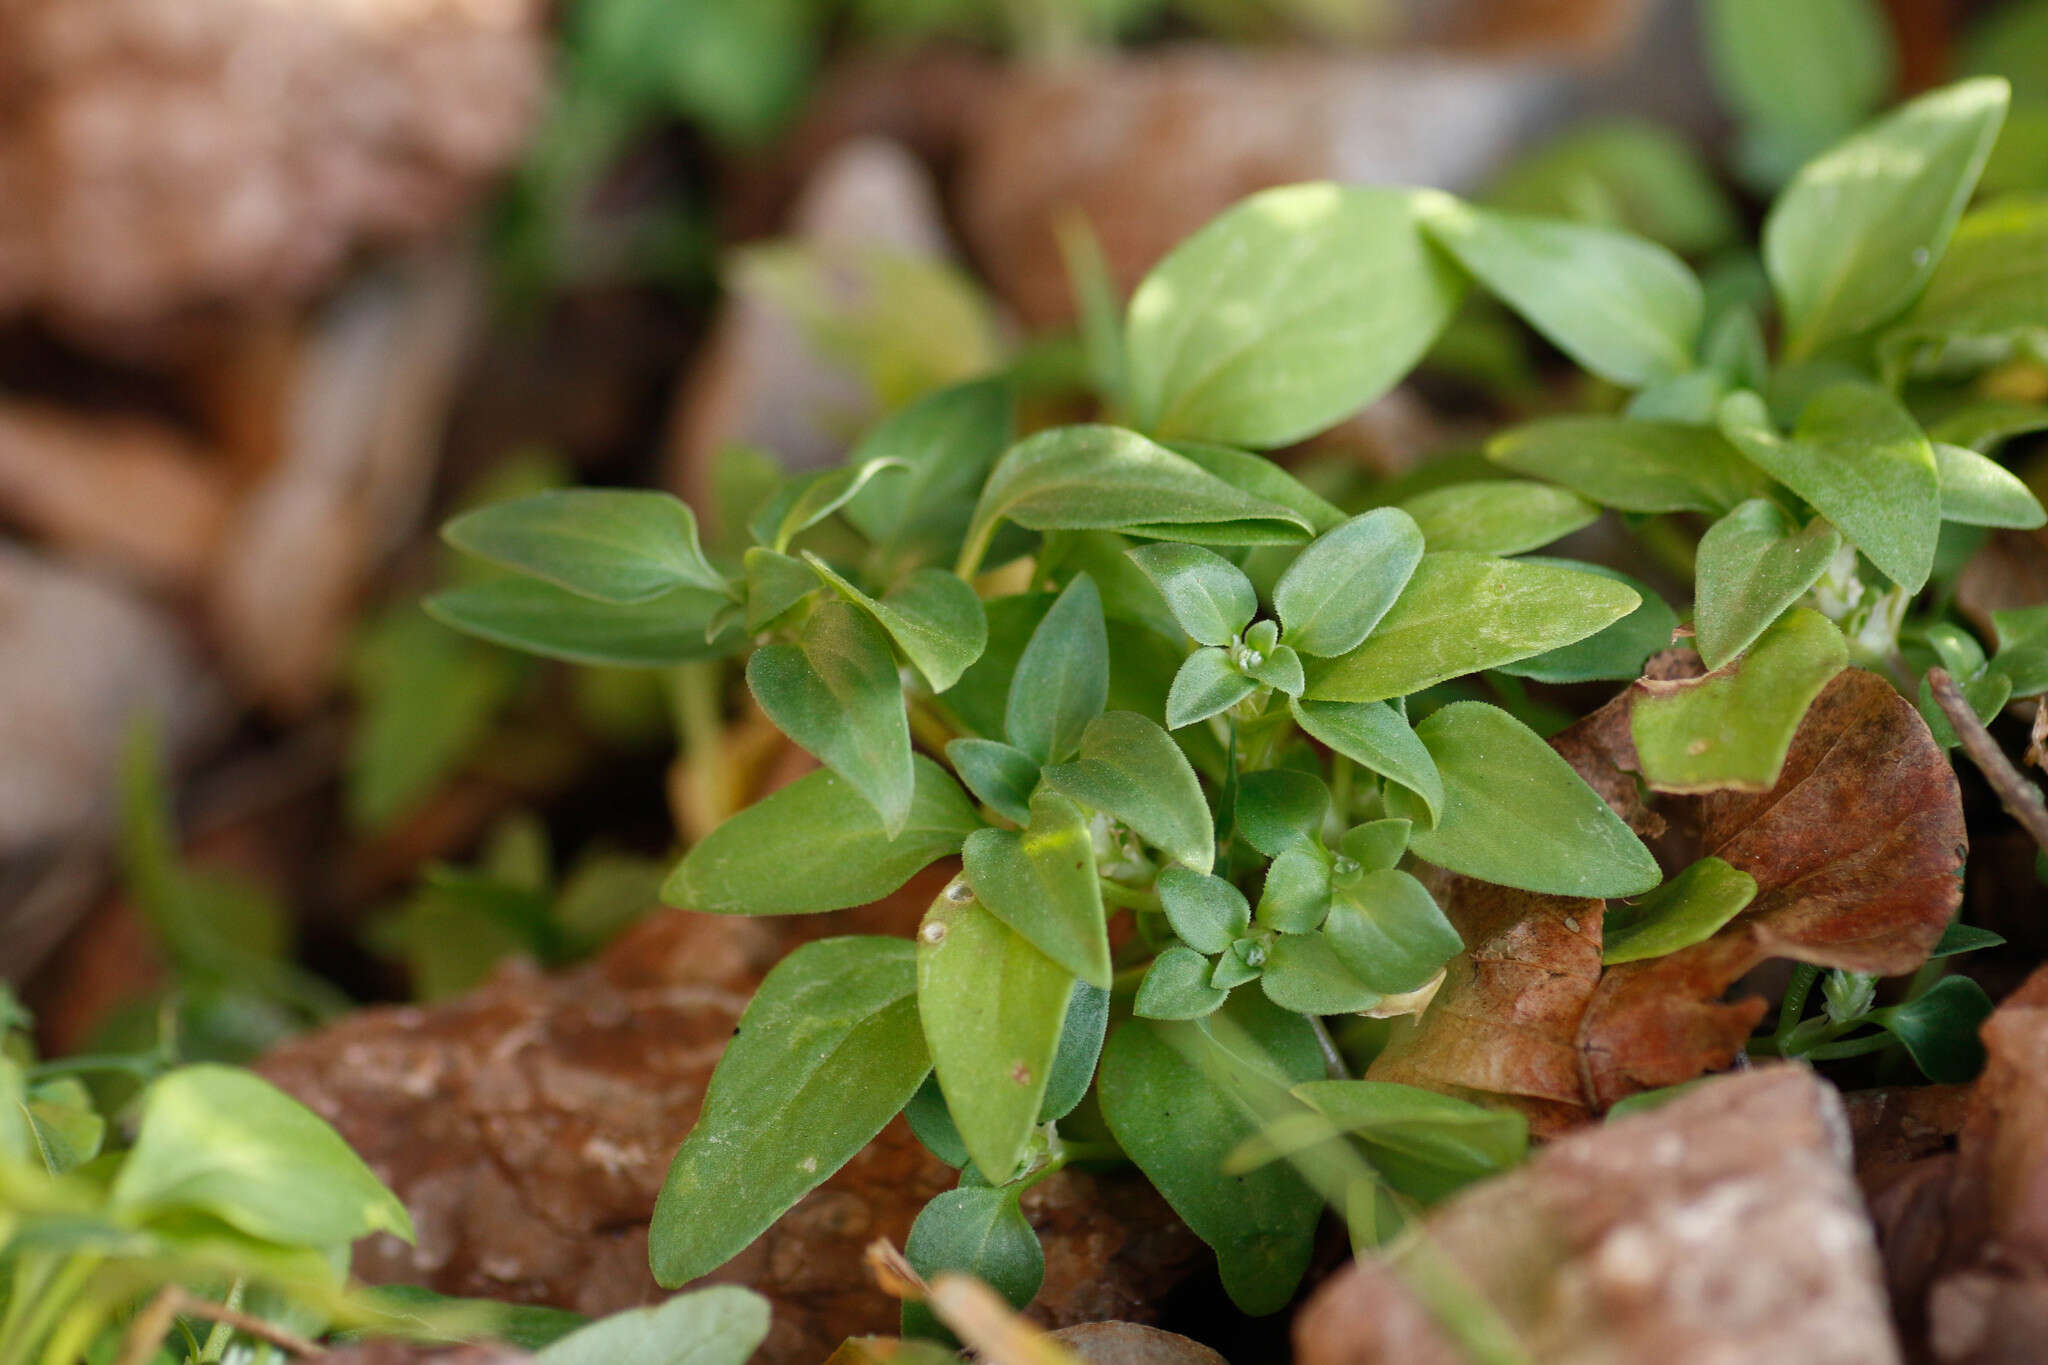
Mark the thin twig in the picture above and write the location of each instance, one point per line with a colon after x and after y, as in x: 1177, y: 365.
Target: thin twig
x: 153, y: 1324
x: 2019, y: 796
x: 2037, y: 739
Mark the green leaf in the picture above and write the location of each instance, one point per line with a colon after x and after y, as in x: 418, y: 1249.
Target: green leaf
x: 942, y: 447
x: 1073, y: 1069
x: 1209, y: 596
x: 1375, y: 736
x: 1964, y: 938
x: 1986, y: 302
x: 1617, y: 651
x: 997, y: 774
x: 1753, y: 565
x: 1388, y: 929
x: 1281, y: 808
x: 2023, y: 648
x: 1260, y: 477
x: 224, y: 1142
x: 1377, y: 844
x: 1624, y: 308
x: 1292, y: 310
x: 837, y: 694
x: 992, y: 1006
x: 541, y: 618
x: 1062, y: 679
x: 1624, y: 173
x: 1515, y: 813
x: 1978, y: 491
x: 1498, y: 516
x: 1463, y: 612
x: 804, y: 502
x: 1819, y: 66
x: 1986, y: 425
x: 1207, y: 684
x: 934, y: 618
x: 1132, y: 770
x: 1864, y: 464
x: 973, y: 1231
x: 1179, y: 1104
x: 1176, y: 986
x: 64, y: 1128
x: 818, y: 844
x: 608, y: 543
x: 1208, y: 913
x: 1856, y: 235
x: 1041, y: 881
x: 1279, y: 668
x: 1343, y: 584
x: 1101, y: 478
x: 1629, y: 464
x: 721, y: 1325
x: 1296, y: 895
x: 1688, y: 909
x: 776, y: 582
x: 932, y: 1124
x: 1304, y: 974
x: 1940, y: 1029
x: 1731, y: 730
x: 1424, y: 1144
x: 828, y: 1051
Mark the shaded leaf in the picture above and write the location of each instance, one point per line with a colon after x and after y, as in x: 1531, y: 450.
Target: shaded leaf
x: 1688, y: 909
x: 1498, y: 516
x: 1131, y: 769
x: 1061, y: 681
x: 1041, y: 881
x: 1753, y: 565
x: 1341, y: 585
x: 1631, y: 465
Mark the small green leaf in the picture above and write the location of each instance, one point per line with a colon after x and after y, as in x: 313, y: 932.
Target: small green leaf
x: 1208, y: 683
x: 1688, y: 909
x: 1388, y: 930
x: 1463, y: 612
x: 1304, y: 974
x: 1180, y: 1103
x: 973, y: 1231
x: 1280, y: 669
x: 806, y: 501
x: 1375, y: 736
x: 1281, y: 808
x: 1940, y: 1029
x: 1424, y: 1144
x: 606, y: 543
x: 1864, y: 464
x: 1987, y: 301
x: 1617, y: 651
x: 1292, y: 310
x: 828, y: 1051
x: 1296, y: 895
x: 1176, y: 986
x: 1985, y: 425
x: 1132, y: 770
x: 1626, y: 309
x: 934, y: 618
x: 1964, y: 938
x: 1498, y: 516
x: 1754, y: 564
x: 1515, y: 813
x: 992, y: 1006
x: 1242, y: 963
x: 997, y: 774
x: 540, y: 618
x: 1061, y: 681
x: 1260, y: 477
x: 1377, y: 844
x: 225, y: 1143
x: 1625, y: 173
x: 837, y: 694
x: 1732, y: 729
x: 1798, y: 74
x: 818, y: 844
x: 64, y: 1128
x: 941, y: 448
x: 2023, y: 648
x: 776, y: 582
x: 1073, y: 1069
x: 932, y: 1124
x: 1041, y: 881
x: 1978, y: 491
x: 1208, y: 913
x: 1340, y: 587
x: 721, y: 1325
x: 1631, y: 465
x: 1209, y: 596
x: 1855, y: 236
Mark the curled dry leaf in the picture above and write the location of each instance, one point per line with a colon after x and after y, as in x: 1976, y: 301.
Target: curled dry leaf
x: 1857, y: 853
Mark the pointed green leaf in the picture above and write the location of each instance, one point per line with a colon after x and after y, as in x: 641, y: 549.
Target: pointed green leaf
x: 1132, y: 770
x: 540, y: 618
x: 992, y: 1006
x: 1260, y: 477
x: 1754, y: 564
x: 1629, y: 464
x: 1209, y: 596
x: 1498, y: 516
x: 721, y: 1325
x: 1625, y: 308
x: 1387, y: 929
x: 611, y: 544
x: 1292, y: 310
x: 806, y: 501
x: 1208, y: 913
x: 828, y: 1051
x: 1207, y: 683
x: 1859, y: 457
x: 1617, y: 651
x: 1340, y: 587
x: 1377, y: 737
x: 1515, y: 813
x: 818, y: 844
x: 1688, y: 909
x: 1041, y: 881
x: 776, y: 582
x: 836, y: 693
x: 1296, y: 895
x: 1426, y: 1145
x: 1062, y: 679
x: 2023, y: 648
x: 942, y: 447
x: 1073, y: 1069
x: 1941, y: 1029
x: 1376, y: 844
x: 1463, y: 612
x: 1304, y: 974
x: 1987, y: 300
x: 934, y: 618
x: 1977, y: 491
x: 997, y: 774
x: 1176, y: 986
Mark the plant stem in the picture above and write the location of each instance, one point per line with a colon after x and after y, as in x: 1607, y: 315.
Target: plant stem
x: 1794, y: 1005
x: 1855, y: 1047
x: 153, y: 1323
x: 2021, y: 798
x: 1333, y: 1060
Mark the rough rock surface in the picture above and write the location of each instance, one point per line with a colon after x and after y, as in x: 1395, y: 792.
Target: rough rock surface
x: 159, y: 157
x: 528, y: 1127
x: 1721, y: 1227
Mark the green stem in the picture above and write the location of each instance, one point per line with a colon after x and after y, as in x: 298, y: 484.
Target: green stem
x: 1794, y: 1004
x: 1855, y: 1047
x: 217, y: 1340
x: 45, y: 1304
x: 979, y: 536
x: 1333, y: 1060
x: 1128, y: 897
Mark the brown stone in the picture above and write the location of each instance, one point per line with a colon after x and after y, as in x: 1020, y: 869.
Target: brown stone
x: 1721, y: 1227
x: 528, y: 1127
